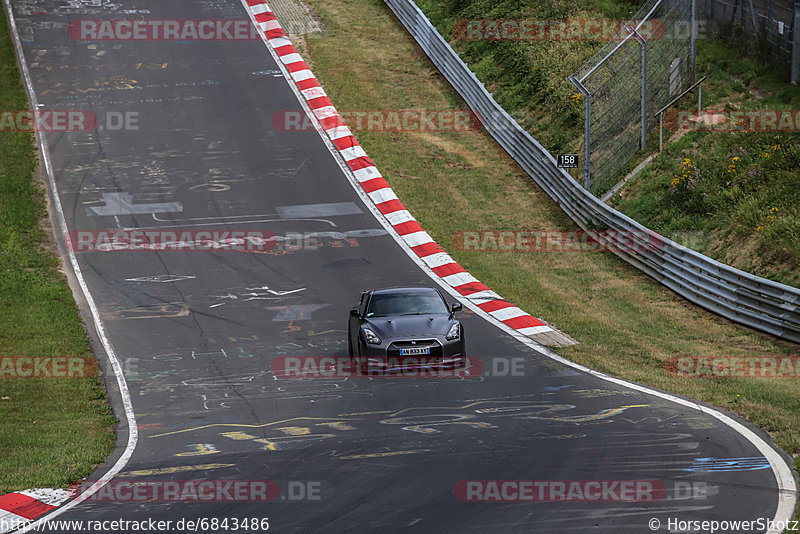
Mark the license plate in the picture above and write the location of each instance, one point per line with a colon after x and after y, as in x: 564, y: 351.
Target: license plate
x: 414, y: 352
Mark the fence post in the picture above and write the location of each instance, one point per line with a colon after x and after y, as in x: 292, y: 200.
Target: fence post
x: 587, y: 144
x: 753, y: 18
x: 644, y: 94
x: 741, y: 16
x: 643, y: 45
x: 587, y: 126
x: 694, y: 40
x: 796, y: 43
x: 699, y: 100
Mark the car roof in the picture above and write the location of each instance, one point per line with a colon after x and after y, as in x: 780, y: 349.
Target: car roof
x: 395, y: 290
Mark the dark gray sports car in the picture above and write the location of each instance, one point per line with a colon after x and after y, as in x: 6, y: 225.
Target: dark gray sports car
x: 405, y: 327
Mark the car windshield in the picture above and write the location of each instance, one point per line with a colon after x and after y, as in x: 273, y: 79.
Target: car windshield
x: 382, y: 305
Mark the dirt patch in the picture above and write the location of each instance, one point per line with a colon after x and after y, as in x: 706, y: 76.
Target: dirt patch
x: 451, y: 147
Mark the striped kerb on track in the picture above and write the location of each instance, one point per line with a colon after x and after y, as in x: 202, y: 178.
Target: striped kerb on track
x: 19, y: 508
x: 378, y: 190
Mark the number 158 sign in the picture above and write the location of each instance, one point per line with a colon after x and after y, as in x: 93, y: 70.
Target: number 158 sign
x: 567, y: 161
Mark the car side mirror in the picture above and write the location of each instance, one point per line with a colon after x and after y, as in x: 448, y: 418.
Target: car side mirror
x: 355, y: 313
x: 457, y: 307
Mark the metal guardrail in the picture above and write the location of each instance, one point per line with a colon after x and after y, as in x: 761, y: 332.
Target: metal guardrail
x: 742, y: 297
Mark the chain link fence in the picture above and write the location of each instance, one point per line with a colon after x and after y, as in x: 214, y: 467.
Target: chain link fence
x: 766, y: 25
x: 650, y: 63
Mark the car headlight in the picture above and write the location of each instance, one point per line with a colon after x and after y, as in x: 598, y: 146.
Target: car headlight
x: 454, y: 332
x: 371, y: 338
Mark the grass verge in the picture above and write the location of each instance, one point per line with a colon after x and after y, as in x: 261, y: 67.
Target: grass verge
x: 52, y: 431
x: 627, y: 324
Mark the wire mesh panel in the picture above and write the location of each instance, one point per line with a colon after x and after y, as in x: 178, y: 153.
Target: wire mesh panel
x: 613, y: 79
x: 767, y: 22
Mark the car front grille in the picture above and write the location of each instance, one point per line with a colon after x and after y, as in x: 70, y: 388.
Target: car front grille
x: 394, y: 348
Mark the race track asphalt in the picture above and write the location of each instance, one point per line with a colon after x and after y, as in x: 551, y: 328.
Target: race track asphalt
x: 198, y: 332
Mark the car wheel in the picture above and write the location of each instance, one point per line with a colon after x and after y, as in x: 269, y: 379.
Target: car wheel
x: 360, y: 367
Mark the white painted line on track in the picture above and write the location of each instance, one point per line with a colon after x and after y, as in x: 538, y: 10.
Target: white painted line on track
x: 133, y: 433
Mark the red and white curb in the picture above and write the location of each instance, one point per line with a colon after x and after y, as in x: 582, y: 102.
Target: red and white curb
x: 19, y: 508
x: 433, y: 255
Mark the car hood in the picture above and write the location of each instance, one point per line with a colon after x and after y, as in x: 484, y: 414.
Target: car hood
x: 410, y: 325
